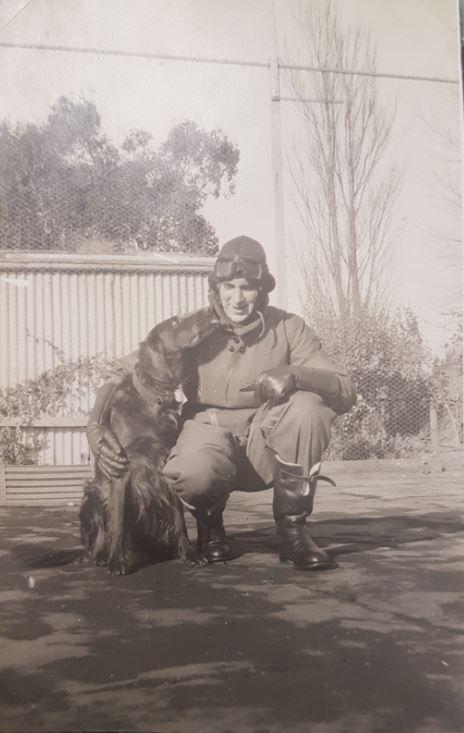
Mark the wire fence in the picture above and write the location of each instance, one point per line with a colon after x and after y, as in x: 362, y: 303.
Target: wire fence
x: 85, y: 273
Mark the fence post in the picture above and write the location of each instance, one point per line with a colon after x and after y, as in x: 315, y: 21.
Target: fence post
x: 2, y: 484
x: 434, y: 429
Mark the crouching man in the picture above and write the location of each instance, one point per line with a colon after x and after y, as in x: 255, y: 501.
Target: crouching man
x: 261, y: 398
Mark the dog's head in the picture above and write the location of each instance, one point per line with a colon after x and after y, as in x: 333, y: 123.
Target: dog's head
x: 180, y: 333
x: 162, y: 356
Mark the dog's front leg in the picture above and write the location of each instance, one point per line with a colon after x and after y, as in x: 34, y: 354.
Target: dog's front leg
x: 92, y: 517
x: 117, y: 560
x: 100, y: 549
x: 186, y: 552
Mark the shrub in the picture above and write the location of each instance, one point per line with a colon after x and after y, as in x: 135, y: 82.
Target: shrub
x: 386, y: 358
x: 447, y: 383
x: 62, y: 391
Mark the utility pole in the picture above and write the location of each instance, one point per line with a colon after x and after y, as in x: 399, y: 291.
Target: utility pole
x: 278, y: 171
x: 277, y: 186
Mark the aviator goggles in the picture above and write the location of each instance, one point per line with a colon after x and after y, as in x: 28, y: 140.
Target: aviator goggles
x: 229, y: 267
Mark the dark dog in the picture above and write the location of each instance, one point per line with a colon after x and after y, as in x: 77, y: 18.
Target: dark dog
x: 138, y: 513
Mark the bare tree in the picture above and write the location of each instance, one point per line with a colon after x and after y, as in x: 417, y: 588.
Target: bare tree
x: 447, y: 195
x: 344, y: 194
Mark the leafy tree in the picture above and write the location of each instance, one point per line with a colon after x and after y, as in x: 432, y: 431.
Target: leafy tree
x: 65, y: 181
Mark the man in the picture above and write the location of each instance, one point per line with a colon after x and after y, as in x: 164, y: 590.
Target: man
x: 260, y: 403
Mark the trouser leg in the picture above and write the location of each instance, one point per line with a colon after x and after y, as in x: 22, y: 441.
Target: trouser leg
x: 202, y: 469
x: 202, y: 466
x: 297, y: 431
x: 285, y: 446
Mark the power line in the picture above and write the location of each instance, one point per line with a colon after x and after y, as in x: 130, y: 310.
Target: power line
x: 308, y: 100
x: 134, y: 54
x: 380, y: 74
x: 221, y: 61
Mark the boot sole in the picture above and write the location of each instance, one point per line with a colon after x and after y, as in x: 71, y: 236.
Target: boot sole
x: 211, y: 561
x: 329, y: 565
x: 224, y: 558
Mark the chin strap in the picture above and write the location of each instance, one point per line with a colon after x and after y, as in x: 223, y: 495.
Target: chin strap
x: 263, y: 325
x: 237, y: 329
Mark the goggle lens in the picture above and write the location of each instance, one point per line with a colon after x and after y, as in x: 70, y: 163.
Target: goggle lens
x: 232, y: 267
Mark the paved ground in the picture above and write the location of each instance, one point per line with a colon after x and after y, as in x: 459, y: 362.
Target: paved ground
x: 252, y: 646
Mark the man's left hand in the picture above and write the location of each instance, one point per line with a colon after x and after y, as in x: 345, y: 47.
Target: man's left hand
x: 274, y: 386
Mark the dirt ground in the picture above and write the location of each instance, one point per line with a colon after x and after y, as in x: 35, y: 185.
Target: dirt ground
x: 251, y: 646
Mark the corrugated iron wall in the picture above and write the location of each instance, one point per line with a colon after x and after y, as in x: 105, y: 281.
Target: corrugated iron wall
x: 82, y: 306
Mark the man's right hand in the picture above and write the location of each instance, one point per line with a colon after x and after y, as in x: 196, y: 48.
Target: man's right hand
x: 109, y: 455
x: 111, y: 459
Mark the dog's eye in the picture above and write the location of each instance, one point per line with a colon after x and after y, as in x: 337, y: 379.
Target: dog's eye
x: 159, y: 401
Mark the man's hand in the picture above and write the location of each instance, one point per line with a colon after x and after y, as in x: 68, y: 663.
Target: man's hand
x: 274, y: 386
x: 111, y: 459
x: 109, y: 455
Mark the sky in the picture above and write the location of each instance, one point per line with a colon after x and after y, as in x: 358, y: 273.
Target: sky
x: 413, y: 37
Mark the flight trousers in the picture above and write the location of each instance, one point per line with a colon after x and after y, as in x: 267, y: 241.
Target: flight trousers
x: 219, y: 451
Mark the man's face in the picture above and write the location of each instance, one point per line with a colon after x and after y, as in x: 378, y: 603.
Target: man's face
x: 239, y: 298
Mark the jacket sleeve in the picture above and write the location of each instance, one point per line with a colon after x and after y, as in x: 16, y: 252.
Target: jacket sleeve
x: 113, y: 376
x: 315, y: 371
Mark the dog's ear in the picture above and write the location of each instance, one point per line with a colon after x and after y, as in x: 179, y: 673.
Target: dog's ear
x: 214, y: 319
x: 202, y: 325
x: 153, y: 337
x: 152, y: 363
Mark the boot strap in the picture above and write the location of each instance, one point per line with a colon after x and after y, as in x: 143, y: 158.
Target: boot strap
x: 312, y: 479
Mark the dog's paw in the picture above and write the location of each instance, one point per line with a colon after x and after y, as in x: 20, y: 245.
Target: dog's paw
x: 191, y: 558
x: 118, y: 566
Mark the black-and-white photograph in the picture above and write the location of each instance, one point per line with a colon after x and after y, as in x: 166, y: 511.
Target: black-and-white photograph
x: 231, y: 366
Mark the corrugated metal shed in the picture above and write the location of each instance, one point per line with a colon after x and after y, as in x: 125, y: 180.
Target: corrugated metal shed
x: 55, y: 306
x: 42, y: 485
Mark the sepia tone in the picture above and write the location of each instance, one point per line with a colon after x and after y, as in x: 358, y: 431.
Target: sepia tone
x: 135, y: 139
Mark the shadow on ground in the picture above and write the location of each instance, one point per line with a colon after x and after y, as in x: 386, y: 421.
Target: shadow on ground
x: 340, y: 537
x: 251, y: 646
x: 349, y: 535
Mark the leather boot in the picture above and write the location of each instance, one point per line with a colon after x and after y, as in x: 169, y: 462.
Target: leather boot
x: 212, y: 543
x: 293, y: 503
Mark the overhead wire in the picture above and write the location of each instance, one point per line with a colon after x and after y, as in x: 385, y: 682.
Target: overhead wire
x: 221, y: 61
x: 15, y: 15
